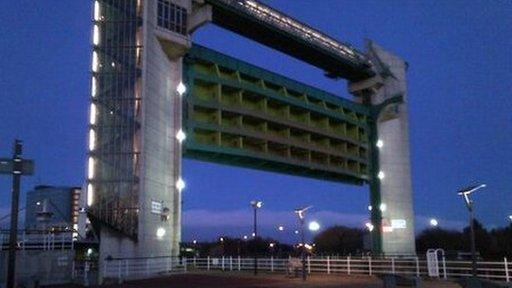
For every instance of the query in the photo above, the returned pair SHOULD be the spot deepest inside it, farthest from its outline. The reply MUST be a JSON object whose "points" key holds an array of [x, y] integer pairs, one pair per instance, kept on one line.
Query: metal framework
{"points": [[113, 164], [243, 115]]}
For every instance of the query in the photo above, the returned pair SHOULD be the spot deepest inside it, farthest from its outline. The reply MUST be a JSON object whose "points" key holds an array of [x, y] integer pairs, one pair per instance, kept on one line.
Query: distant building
{"points": [[52, 208]]}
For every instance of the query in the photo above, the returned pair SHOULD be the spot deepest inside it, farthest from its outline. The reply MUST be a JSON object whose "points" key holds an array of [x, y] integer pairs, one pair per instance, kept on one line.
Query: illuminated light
{"points": [[92, 117], [245, 237], [296, 231], [95, 35], [256, 204], [92, 140], [90, 173], [221, 239], [90, 194], [181, 136], [307, 246], [381, 175], [379, 143], [314, 226], [38, 203], [195, 241], [280, 228], [369, 226], [160, 232], [180, 184], [383, 207], [75, 227], [370, 208], [181, 89], [94, 61], [271, 245], [434, 222], [387, 229], [510, 217], [96, 10], [93, 87], [253, 234]]}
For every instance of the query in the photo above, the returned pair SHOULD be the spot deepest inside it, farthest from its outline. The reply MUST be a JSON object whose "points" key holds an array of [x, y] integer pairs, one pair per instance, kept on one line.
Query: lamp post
{"points": [[255, 204], [301, 213], [469, 204]]}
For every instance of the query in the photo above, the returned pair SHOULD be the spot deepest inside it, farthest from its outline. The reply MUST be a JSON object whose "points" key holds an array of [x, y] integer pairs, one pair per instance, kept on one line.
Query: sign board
{"points": [[6, 166], [156, 207], [398, 223]]}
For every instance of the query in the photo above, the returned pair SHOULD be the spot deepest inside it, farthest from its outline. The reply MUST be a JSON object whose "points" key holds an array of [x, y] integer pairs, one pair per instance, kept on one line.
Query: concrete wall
{"points": [[48, 267]]}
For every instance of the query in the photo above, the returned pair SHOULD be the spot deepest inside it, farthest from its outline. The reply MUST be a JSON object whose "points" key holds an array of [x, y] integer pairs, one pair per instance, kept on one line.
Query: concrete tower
{"points": [[134, 167], [392, 209]]}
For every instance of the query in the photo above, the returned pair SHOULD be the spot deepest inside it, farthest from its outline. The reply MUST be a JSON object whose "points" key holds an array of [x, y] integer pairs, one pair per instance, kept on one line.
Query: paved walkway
{"points": [[247, 280]]}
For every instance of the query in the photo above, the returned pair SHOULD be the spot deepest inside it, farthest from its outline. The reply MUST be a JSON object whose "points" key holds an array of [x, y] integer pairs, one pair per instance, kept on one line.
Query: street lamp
{"points": [[510, 218], [469, 204], [301, 213], [255, 204], [433, 222]]}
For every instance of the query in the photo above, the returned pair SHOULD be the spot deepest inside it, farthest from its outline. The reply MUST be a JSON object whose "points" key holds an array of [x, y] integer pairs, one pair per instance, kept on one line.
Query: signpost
{"points": [[17, 167]]}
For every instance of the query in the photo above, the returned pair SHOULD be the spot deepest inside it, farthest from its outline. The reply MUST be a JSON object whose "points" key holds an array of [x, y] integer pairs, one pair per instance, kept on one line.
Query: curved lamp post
{"points": [[469, 204]]}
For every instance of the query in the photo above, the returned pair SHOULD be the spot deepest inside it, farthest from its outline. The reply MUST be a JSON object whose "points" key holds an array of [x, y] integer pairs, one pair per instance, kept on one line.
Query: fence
{"points": [[40, 241], [139, 268], [360, 265]]}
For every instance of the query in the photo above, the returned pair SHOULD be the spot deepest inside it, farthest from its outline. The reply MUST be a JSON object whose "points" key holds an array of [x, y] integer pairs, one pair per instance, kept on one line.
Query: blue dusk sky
{"points": [[460, 89]]}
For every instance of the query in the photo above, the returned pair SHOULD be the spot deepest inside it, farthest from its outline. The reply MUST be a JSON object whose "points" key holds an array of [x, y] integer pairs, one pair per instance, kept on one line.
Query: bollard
{"points": [[271, 263], [370, 265], [222, 263], [309, 265], [348, 265], [328, 265], [417, 267], [507, 276], [230, 263], [208, 263], [444, 269]]}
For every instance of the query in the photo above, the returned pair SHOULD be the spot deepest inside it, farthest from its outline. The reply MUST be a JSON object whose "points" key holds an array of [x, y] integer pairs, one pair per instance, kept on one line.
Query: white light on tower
{"points": [[381, 175], [90, 194], [93, 87], [90, 173], [95, 35], [181, 136], [160, 232], [379, 143], [96, 11], [369, 226], [180, 184], [94, 61], [383, 207], [92, 118], [434, 222], [92, 140], [181, 89], [510, 217], [314, 226], [370, 208], [280, 228]]}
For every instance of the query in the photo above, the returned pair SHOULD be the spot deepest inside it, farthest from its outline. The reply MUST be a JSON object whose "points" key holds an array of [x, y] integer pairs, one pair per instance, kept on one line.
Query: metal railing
{"points": [[141, 268], [40, 241], [413, 266]]}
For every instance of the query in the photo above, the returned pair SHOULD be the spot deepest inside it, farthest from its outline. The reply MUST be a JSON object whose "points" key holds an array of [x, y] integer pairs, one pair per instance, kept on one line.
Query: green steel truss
{"points": [[239, 114]]}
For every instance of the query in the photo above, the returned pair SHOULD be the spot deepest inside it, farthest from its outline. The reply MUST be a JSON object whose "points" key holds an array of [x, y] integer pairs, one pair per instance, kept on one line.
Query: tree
{"points": [[339, 240]]}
